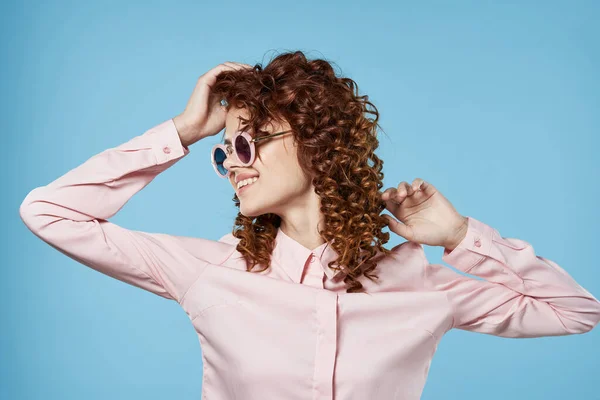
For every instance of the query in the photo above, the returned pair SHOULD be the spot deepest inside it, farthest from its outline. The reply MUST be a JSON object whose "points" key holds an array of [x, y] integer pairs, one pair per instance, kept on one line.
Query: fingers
{"points": [[390, 203], [210, 77], [418, 184], [404, 190], [238, 63], [227, 65], [398, 227]]}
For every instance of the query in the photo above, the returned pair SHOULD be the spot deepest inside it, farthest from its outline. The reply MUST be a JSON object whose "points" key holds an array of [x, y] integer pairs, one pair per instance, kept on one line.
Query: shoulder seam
{"points": [[204, 269]]}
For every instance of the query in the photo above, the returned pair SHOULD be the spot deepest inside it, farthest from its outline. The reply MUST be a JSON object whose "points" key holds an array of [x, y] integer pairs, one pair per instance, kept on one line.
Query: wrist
{"points": [[184, 130], [459, 235]]}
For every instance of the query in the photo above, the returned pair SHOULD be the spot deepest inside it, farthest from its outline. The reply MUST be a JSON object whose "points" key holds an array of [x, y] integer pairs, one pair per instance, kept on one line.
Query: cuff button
{"points": [[166, 150]]}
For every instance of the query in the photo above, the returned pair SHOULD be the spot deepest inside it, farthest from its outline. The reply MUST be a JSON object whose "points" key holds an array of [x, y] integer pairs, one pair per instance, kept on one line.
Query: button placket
{"points": [[326, 312]]}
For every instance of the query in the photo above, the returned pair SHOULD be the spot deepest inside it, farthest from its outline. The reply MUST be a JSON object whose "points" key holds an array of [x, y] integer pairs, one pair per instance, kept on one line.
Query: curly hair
{"points": [[336, 142]]}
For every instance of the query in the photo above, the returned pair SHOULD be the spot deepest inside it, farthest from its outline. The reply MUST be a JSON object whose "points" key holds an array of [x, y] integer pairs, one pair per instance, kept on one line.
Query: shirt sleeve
{"points": [[522, 294], [71, 214]]}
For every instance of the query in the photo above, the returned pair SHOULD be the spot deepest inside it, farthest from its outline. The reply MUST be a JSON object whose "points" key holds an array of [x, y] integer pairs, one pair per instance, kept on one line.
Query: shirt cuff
{"points": [[167, 144], [474, 247]]}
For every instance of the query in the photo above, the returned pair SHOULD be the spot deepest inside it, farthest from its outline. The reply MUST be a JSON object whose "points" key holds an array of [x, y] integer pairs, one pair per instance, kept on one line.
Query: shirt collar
{"points": [[292, 256]]}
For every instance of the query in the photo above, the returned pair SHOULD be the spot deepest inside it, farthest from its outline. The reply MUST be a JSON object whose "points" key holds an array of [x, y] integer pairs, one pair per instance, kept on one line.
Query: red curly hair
{"points": [[336, 143]]}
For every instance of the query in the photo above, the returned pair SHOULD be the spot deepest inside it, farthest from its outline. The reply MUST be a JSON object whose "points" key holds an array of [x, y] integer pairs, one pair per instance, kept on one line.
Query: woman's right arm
{"points": [[71, 214]]}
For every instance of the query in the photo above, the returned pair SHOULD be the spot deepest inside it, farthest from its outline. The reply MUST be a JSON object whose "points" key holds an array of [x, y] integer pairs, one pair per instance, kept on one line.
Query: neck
{"points": [[302, 221]]}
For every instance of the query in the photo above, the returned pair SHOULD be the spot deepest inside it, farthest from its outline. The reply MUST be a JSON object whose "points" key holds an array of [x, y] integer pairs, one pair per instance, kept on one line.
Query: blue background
{"points": [[495, 104]]}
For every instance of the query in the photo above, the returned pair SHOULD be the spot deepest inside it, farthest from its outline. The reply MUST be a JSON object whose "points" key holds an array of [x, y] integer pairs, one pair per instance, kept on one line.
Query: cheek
{"points": [[286, 166], [280, 164], [276, 160]]}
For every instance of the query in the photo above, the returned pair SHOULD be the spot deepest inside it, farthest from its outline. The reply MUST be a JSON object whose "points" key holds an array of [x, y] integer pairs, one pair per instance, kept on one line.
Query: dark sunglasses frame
{"points": [[234, 140]]}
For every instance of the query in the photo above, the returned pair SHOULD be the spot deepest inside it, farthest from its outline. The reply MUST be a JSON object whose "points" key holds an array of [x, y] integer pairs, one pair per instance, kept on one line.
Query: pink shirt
{"points": [[292, 332]]}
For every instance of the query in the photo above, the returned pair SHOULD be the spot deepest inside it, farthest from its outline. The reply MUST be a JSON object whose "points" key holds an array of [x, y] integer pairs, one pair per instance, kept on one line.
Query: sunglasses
{"points": [[243, 147]]}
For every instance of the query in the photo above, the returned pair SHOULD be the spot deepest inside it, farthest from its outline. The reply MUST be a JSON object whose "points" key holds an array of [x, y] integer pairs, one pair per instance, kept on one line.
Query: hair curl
{"points": [[336, 143]]}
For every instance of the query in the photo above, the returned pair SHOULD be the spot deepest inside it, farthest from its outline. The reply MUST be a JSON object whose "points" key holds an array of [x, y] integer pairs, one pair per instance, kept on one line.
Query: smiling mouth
{"points": [[245, 186]]}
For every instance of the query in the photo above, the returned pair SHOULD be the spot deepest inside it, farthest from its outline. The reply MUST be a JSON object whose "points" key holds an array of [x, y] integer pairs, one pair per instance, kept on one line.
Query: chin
{"points": [[253, 208], [251, 212]]}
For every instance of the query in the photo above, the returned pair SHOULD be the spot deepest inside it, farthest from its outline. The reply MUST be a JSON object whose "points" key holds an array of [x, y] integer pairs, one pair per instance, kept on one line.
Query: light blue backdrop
{"points": [[496, 105]]}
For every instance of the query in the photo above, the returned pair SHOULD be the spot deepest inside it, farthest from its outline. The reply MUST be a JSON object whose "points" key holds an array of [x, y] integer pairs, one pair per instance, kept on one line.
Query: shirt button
{"points": [[312, 258], [477, 242], [166, 150]]}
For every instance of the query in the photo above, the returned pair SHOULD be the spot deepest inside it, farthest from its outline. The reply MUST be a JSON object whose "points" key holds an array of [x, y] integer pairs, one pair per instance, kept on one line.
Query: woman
{"points": [[287, 305]]}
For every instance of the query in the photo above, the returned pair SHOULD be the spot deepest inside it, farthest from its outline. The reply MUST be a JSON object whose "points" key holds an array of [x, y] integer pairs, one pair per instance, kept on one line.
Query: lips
{"points": [[245, 186], [244, 175]]}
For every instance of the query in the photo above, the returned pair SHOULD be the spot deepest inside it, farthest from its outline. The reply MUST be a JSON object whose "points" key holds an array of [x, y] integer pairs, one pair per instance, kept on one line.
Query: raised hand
{"points": [[204, 115], [424, 215]]}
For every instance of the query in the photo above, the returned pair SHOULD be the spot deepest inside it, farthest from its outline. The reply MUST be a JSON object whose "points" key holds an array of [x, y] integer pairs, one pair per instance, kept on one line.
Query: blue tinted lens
{"points": [[220, 157]]}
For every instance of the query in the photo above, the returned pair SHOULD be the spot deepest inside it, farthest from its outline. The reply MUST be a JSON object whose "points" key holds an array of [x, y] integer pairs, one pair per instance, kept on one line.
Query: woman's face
{"points": [[281, 185]]}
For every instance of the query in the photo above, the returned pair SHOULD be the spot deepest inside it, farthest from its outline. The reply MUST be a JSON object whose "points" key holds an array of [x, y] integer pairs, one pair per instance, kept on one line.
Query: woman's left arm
{"points": [[522, 294]]}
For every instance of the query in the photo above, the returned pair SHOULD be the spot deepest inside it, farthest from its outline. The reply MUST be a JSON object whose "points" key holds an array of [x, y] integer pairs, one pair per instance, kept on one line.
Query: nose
{"points": [[231, 161]]}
